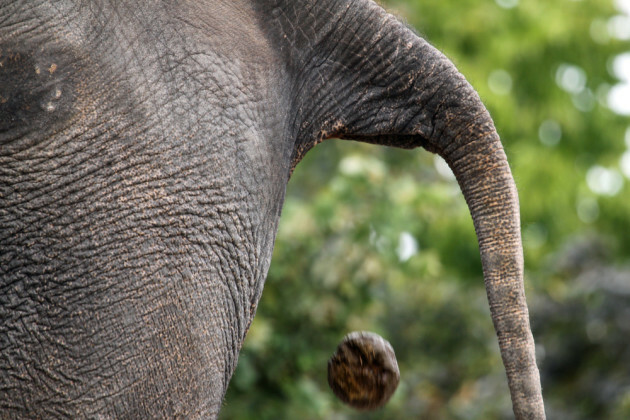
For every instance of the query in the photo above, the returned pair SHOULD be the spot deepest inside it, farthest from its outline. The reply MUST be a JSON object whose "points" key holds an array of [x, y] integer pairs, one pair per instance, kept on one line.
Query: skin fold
{"points": [[145, 149]]}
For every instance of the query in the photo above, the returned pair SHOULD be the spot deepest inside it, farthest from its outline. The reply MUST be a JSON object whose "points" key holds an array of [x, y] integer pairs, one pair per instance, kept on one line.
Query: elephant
{"points": [[145, 149]]}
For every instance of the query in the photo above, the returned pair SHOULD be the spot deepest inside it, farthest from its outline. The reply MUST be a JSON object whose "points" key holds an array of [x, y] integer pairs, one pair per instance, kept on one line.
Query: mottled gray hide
{"points": [[145, 149], [143, 167]]}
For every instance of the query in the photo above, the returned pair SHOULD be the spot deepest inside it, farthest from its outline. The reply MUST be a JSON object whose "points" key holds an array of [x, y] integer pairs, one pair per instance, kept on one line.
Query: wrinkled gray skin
{"points": [[145, 148]]}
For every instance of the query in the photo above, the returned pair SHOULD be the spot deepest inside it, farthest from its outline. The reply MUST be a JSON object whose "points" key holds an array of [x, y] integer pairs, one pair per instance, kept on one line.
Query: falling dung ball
{"points": [[363, 371]]}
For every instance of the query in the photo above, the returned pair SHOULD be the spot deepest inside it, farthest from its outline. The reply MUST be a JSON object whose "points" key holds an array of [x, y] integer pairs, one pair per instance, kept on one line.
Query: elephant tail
{"points": [[362, 75], [463, 133], [482, 171]]}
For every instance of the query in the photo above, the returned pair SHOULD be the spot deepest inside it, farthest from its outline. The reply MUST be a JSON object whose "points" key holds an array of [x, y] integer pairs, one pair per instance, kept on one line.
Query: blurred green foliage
{"points": [[380, 239]]}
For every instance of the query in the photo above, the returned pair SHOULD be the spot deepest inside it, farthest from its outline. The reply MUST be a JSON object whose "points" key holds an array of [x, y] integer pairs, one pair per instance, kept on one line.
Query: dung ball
{"points": [[363, 371]]}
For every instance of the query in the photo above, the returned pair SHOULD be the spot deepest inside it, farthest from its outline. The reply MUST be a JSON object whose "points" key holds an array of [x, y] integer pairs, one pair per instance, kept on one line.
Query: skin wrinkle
{"points": [[375, 70], [70, 222], [467, 127], [342, 89], [38, 19], [464, 162]]}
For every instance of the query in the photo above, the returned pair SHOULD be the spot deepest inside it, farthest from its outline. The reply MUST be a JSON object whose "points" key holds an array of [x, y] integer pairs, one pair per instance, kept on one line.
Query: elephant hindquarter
{"points": [[139, 197]]}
